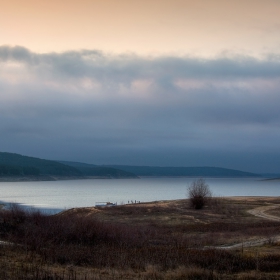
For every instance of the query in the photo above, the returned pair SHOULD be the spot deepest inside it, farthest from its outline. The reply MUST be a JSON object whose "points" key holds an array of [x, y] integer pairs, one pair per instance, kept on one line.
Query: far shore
{"points": [[65, 178], [55, 178]]}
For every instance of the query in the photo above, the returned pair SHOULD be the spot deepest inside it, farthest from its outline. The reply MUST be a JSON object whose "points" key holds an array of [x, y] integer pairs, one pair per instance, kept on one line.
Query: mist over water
{"points": [[55, 196]]}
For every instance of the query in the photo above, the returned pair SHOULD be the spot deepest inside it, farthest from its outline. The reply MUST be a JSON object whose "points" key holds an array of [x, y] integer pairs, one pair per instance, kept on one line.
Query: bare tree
{"points": [[199, 193]]}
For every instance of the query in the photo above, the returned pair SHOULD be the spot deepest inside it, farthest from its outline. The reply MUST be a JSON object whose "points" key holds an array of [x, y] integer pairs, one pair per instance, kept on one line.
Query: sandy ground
{"points": [[258, 212]]}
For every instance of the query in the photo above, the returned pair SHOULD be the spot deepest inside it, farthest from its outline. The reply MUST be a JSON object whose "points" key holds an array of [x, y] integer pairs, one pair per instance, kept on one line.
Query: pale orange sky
{"points": [[201, 27]]}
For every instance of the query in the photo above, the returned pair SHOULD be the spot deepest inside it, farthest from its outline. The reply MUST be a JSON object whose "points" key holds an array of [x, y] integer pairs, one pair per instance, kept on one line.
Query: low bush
{"points": [[199, 193]]}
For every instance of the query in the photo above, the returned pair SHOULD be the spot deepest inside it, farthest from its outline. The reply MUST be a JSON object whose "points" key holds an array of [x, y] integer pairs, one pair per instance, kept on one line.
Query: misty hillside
{"points": [[14, 164], [184, 171], [95, 170]]}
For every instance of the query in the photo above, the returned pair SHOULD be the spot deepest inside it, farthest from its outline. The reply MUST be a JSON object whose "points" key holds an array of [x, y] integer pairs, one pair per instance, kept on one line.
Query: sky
{"points": [[158, 82]]}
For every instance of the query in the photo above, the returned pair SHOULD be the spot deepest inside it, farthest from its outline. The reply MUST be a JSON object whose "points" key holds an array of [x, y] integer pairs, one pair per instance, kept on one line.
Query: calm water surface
{"points": [[60, 195]]}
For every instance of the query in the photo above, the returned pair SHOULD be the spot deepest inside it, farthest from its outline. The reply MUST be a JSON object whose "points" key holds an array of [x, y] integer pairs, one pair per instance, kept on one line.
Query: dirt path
{"points": [[252, 243], [258, 212]]}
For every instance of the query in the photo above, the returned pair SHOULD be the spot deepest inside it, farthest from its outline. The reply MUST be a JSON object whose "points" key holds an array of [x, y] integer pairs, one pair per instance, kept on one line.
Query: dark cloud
{"points": [[100, 108]]}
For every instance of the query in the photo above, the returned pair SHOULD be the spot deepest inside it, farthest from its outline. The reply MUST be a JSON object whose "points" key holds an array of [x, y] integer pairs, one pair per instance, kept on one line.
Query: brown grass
{"points": [[160, 240]]}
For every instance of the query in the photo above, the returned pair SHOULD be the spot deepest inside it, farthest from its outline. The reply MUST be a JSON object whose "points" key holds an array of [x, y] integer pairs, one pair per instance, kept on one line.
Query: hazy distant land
{"points": [[156, 171], [15, 167]]}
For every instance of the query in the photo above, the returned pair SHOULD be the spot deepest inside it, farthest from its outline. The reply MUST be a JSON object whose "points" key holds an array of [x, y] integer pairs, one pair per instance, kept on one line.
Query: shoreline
{"points": [[266, 199], [42, 178], [249, 199], [50, 178]]}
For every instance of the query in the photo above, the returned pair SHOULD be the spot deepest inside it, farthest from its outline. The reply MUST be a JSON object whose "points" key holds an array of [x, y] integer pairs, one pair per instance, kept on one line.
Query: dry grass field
{"points": [[157, 240]]}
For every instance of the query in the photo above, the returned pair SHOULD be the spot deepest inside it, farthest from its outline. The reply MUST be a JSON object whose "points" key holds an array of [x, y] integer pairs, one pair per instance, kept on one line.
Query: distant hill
{"points": [[15, 165], [76, 164], [20, 164], [271, 175], [184, 171], [95, 170]]}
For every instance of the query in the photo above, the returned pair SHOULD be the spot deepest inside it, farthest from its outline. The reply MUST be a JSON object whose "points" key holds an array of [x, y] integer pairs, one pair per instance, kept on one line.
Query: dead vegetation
{"points": [[159, 240]]}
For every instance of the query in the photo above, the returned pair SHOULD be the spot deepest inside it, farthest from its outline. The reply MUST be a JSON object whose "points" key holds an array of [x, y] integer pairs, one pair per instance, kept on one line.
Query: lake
{"points": [[54, 196]]}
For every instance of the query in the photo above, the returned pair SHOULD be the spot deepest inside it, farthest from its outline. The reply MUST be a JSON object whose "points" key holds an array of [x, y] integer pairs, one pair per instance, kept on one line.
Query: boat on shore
{"points": [[105, 204]]}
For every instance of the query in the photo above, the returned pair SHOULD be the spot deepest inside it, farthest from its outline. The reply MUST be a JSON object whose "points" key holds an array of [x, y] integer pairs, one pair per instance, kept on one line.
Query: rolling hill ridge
{"points": [[155, 171], [15, 165]]}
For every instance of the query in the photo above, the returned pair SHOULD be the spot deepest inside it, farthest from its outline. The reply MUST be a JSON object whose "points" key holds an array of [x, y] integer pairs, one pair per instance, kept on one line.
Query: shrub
{"points": [[199, 193]]}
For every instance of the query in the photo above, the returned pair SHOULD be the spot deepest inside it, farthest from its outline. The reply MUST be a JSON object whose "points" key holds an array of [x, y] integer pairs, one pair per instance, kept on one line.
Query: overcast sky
{"points": [[158, 82]]}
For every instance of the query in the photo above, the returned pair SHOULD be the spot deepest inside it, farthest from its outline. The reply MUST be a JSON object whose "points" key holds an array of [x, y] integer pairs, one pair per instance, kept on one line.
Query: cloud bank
{"points": [[125, 109]]}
